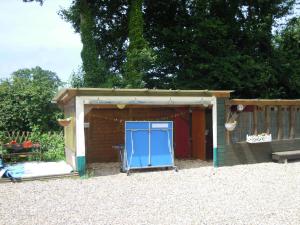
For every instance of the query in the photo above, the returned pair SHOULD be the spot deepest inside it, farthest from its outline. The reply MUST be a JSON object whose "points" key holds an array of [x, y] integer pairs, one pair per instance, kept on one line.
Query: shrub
{"points": [[52, 144]]}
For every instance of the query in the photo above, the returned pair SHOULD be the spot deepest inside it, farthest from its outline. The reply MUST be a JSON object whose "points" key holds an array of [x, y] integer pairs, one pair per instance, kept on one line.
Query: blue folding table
{"points": [[148, 144]]}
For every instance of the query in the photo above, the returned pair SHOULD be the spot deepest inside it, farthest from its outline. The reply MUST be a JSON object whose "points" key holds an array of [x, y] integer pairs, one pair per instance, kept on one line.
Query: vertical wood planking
{"points": [[255, 120], [292, 121], [267, 120], [228, 134], [198, 134], [279, 122]]}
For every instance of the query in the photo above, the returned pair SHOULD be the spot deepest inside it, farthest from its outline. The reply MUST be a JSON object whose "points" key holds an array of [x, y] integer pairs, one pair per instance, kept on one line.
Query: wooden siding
{"points": [[198, 134], [282, 122], [70, 137], [221, 148]]}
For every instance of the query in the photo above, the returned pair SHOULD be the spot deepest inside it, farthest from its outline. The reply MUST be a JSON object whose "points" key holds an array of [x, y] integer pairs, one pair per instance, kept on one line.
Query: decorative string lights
{"points": [[116, 119]]}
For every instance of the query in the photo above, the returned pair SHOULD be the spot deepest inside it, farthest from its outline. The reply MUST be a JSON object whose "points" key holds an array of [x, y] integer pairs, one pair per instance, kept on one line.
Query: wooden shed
{"points": [[279, 118], [96, 121]]}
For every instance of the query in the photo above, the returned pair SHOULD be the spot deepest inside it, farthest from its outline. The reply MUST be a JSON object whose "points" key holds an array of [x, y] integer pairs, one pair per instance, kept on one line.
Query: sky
{"points": [[33, 35]]}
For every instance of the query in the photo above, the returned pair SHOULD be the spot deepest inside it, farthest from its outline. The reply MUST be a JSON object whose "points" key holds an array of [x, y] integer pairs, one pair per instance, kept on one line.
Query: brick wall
{"points": [[107, 129]]}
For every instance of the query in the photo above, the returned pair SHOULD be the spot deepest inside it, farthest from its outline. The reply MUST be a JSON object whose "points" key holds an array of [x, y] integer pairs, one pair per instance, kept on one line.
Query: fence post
{"points": [[292, 122]]}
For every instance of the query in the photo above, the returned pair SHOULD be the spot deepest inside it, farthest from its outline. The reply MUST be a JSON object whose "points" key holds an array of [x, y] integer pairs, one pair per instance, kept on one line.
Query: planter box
{"points": [[259, 138]]}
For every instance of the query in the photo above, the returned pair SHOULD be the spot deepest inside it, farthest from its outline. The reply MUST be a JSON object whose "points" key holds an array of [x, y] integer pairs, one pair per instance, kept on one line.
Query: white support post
{"points": [[80, 138], [215, 132]]}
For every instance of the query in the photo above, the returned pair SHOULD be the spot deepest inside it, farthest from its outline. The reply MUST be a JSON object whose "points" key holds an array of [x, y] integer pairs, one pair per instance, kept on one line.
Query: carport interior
{"points": [[105, 129]]}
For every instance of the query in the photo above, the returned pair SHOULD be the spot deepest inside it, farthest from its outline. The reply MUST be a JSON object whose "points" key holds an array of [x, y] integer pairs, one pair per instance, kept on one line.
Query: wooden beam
{"points": [[87, 109], [255, 120], [279, 123], [113, 106], [64, 95], [292, 122], [267, 120], [264, 102], [228, 133]]}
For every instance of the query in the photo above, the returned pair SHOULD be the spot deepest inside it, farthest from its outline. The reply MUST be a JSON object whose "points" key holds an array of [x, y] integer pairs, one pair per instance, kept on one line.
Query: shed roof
{"points": [[65, 95], [264, 102]]}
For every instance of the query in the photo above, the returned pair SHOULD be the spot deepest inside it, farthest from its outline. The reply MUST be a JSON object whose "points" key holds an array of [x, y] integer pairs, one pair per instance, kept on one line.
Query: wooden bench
{"points": [[285, 156], [14, 156]]}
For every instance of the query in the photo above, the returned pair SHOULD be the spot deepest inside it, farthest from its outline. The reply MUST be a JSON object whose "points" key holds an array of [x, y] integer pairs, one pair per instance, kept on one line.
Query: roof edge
{"points": [[66, 94]]}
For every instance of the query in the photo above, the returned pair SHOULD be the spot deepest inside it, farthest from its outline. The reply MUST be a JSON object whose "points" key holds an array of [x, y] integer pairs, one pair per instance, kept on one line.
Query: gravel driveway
{"points": [[265, 193]]}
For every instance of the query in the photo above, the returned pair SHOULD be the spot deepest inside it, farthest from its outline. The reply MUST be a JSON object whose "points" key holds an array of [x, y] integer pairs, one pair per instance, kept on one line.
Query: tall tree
{"points": [[93, 66], [287, 60], [139, 55], [199, 44]]}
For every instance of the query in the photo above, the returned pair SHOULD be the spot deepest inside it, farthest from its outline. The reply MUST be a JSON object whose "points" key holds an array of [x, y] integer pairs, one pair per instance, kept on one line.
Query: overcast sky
{"points": [[33, 35]]}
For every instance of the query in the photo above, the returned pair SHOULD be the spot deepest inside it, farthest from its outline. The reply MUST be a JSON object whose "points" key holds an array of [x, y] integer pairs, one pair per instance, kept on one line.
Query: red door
{"points": [[182, 134]]}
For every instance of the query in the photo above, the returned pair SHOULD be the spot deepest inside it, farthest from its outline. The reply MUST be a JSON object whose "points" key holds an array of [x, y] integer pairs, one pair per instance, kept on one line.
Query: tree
{"points": [[139, 55], [200, 44], [287, 63], [215, 44], [81, 14], [25, 100], [76, 79], [93, 66]]}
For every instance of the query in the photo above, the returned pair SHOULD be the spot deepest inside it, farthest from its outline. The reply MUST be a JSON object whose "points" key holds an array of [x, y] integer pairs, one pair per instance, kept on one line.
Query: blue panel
{"points": [[137, 148], [137, 137]]}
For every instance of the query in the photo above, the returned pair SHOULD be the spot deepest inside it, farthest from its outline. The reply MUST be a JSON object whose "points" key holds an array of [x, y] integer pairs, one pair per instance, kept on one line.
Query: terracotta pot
{"points": [[27, 144], [64, 122]]}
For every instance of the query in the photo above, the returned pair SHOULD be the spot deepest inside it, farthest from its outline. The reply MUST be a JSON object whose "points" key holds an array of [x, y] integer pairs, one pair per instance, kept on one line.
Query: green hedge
{"points": [[52, 143]]}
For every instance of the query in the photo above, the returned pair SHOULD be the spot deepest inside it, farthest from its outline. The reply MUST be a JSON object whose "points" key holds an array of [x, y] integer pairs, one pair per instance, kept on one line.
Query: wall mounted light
{"points": [[121, 106]]}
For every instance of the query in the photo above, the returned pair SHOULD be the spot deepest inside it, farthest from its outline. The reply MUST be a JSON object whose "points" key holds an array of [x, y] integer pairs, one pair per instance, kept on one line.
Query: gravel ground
{"points": [[266, 193]]}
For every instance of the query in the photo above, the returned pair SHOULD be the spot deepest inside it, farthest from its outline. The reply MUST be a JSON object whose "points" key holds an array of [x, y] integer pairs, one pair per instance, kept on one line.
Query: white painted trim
{"points": [[215, 123], [80, 139], [147, 100]]}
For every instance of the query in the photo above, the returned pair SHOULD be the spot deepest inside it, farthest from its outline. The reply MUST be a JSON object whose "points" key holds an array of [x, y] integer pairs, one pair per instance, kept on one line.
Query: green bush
{"points": [[52, 144], [25, 101]]}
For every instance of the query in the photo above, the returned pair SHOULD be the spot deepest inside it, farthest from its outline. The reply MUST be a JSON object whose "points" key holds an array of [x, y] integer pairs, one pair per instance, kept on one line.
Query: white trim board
{"points": [[145, 100]]}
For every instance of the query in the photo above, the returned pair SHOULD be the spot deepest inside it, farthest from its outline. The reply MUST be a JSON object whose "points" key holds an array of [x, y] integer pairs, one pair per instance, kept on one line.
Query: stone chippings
{"points": [[266, 193]]}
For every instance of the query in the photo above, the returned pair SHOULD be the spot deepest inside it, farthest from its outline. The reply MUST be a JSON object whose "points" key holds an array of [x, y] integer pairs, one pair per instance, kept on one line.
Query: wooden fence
{"points": [[281, 118], [18, 136]]}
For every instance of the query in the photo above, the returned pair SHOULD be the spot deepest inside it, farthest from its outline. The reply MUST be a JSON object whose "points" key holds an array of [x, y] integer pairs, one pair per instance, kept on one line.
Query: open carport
{"points": [[97, 117]]}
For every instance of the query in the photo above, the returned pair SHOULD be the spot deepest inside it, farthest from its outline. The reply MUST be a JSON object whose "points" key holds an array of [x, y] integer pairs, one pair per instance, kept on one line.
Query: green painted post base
{"points": [[215, 158], [80, 165]]}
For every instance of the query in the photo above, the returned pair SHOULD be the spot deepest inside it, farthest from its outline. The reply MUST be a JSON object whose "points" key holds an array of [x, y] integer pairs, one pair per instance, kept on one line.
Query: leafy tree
{"points": [[139, 55], [287, 58], [93, 66], [199, 44], [81, 14], [214, 45], [76, 79], [25, 100]]}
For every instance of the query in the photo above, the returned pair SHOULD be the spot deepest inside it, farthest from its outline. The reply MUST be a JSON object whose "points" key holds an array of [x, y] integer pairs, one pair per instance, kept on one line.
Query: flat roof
{"points": [[64, 95], [264, 102]]}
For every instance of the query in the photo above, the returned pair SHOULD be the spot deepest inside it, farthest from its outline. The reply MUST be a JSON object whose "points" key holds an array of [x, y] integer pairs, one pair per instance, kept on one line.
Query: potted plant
{"points": [[64, 122]]}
